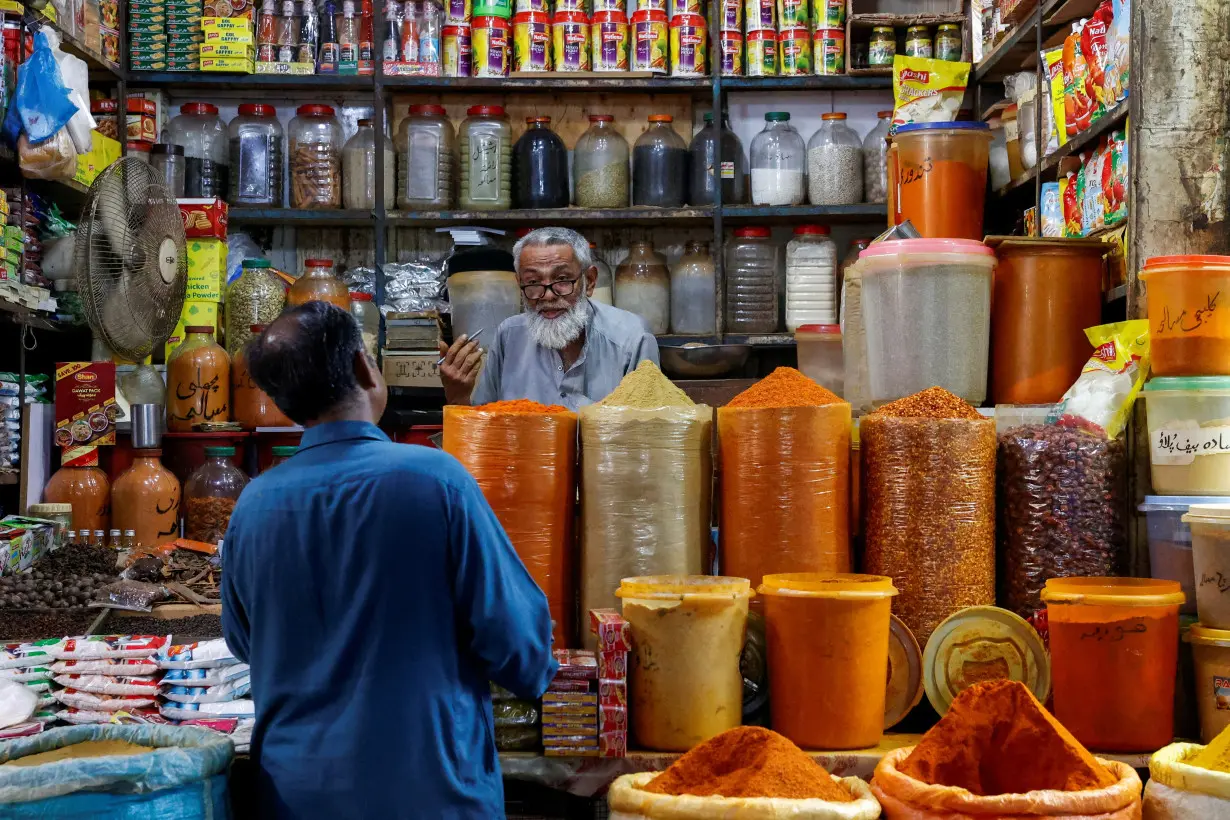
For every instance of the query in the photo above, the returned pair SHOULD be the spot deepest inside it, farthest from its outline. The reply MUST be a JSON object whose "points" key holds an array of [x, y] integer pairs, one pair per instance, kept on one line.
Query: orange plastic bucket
{"points": [[827, 637], [1114, 652], [1189, 330]]}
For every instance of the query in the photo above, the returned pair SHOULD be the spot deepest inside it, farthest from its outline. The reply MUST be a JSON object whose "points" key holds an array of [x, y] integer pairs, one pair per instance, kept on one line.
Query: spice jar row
{"points": [[834, 167]]}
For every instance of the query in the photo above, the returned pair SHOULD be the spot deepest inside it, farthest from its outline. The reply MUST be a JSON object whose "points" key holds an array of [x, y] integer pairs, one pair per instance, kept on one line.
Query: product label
{"points": [[485, 168], [728, 170], [1179, 442], [1221, 693]]}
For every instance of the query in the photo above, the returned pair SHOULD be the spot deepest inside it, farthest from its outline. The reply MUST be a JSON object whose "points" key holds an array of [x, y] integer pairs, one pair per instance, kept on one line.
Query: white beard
{"points": [[563, 330]]}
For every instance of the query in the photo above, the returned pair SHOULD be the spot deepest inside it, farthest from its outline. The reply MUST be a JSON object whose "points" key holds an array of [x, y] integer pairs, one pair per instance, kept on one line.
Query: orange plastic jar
{"points": [[940, 178], [1114, 653], [827, 637], [1189, 330]]}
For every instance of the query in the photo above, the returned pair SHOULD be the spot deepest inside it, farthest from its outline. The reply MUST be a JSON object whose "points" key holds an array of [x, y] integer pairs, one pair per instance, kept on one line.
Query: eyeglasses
{"points": [[564, 287]]}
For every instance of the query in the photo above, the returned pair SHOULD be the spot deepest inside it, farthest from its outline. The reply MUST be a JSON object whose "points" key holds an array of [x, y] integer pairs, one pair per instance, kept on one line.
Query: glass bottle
{"points": [[113, 540], [643, 287], [256, 297], [198, 381], [540, 167], [875, 160], [834, 163], [703, 156], [82, 483], [100, 538], [251, 406], [811, 278], [210, 495], [600, 165], [359, 169], [348, 33], [318, 284], [485, 148], [751, 282], [168, 162], [315, 158], [948, 44], [659, 165], [778, 162], [201, 132], [146, 498], [604, 286], [694, 292], [365, 312], [256, 144], [130, 539], [426, 160], [281, 453], [918, 42]]}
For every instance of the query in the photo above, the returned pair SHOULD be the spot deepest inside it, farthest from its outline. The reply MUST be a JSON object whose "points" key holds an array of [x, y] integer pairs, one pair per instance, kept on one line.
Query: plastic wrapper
{"points": [[1061, 510], [646, 490], [104, 703], [232, 690], [628, 800], [515, 713], [929, 514], [1179, 791], [1101, 398], [414, 287], [107, 685], [132, 596], [242, 708], [784, 481], [200, 655], [525, 464], [926, 90], [205, 677], [107, 646], [53, 158], [125, 667]]}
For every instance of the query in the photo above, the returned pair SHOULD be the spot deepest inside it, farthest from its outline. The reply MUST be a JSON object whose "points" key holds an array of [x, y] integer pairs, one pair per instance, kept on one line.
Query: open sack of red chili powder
{"points": [[999, 754], [747, 772]]}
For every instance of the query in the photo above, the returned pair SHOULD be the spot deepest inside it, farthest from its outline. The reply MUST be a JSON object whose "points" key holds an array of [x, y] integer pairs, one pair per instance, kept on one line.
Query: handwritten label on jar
{"points": [[1114, 633], [484, 168], [1215, 579], [1179, 442], [1194, 320]]}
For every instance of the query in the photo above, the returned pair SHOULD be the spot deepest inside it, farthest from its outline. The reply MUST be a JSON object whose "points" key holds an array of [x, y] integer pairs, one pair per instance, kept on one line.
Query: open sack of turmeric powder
{"points": [[1188, 780], [747, 772], [998, 753]]}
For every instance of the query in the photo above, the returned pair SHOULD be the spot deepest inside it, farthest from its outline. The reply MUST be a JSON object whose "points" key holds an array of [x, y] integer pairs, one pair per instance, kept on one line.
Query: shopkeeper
{"points": [[564, 348]]}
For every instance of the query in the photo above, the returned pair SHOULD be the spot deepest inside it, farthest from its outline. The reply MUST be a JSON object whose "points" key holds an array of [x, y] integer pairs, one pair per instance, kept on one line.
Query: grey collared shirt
{"points": [[517, 367]]}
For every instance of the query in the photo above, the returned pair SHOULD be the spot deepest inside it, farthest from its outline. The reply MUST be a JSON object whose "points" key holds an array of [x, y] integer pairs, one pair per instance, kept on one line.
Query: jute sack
{"points": [[628, 802]]}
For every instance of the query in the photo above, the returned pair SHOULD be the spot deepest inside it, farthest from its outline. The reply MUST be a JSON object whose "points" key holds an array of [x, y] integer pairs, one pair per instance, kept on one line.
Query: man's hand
{"points": [[459, 370]]}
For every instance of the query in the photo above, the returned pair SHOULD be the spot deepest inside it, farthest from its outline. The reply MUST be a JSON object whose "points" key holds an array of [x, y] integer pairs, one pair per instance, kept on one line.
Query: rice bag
{"points": [[201, 655], [108, 646], [18, 655], [209, 694], [205, 677], [98, 716], [27, 674], [118, 667], [102, 703], [188, 711], [107, 685]]}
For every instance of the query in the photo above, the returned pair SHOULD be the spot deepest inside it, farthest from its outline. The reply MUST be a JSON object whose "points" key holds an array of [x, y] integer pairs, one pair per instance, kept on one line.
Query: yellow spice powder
{"points": [[647, 388]]}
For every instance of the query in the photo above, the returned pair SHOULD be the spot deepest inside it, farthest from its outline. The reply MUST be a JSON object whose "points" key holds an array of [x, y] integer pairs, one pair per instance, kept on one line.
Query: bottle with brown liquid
{"points": [[82, 483], [198, 381], [146, 500], [318, 284], [251, 406]]}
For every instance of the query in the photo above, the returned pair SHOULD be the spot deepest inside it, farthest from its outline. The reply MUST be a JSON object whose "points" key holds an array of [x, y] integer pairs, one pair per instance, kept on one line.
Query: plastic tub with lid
{"points": [[482, 291], [938, 176], [827, 637], [1189, 434], [1211, 655], [820, 355], [811, 277], [1190, 336], [926, 306], [1114, 654], [751, 281], [1210, 525], [1170, 541], [206, 148]]}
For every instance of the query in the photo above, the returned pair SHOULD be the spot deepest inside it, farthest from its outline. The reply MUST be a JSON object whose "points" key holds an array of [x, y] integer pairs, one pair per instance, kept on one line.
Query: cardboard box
{"points": [[204, 218], [227, 51], [568, 685], [613, 718], [569, 699], [613, 665], [576, 663], [234, 25], [554, 751], [194, 314], [104, 152], [613, 693], [412, 368], [612, 630], [568, 732], [238, 65], [142, 120], [206, 269], [86, 411], [613, 744], [37, 536]]}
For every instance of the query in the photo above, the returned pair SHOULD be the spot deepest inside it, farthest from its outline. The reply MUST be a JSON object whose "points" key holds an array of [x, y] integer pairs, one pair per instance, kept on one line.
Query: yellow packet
{"points": [[1100, 400], [1054, 75], [927, 90]]}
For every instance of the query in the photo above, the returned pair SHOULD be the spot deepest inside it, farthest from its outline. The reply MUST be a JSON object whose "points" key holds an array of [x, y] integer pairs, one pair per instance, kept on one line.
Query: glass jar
{"points": [[948, 44], [600, 165], [875, 160], [702, 159], [811, 278], [365, 312], [834, 163], [643, 287], [751, 282], [83, 484], [146, 498], [318, 284], [210, 495], [281, 453], [918, 42], [168, 161], [659, 166], [778, 162], [540, 167], [604, 287], [426, 160], [139, 150], [359, 169], [251, 406], [60, 514], [198, 381], [257, 143], [882, 48], [256, 297], [206, 150], [694, 292], [315, 158], [485, 148]]}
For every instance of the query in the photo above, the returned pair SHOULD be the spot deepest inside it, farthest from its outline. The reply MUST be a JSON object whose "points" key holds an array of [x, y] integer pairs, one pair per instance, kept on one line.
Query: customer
{"points": [[374, 593]]}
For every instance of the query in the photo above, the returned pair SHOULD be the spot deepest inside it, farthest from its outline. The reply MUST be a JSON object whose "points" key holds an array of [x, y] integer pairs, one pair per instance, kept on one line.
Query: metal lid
{"points": [[49, 509], [1105, 591], [286, 450], [257, 263], [905, 683], [777, 116], [219, 451], [835, 115]]}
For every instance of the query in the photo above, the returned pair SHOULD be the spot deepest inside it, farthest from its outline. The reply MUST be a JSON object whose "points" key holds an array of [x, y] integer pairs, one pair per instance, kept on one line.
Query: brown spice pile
{"points": [[206, 518], [932, 403], [784, 387]]}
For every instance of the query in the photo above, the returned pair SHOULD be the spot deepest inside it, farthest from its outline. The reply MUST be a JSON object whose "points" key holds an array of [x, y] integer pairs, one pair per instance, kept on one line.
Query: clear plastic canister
{"points": [[315, 158], [168, 161], [751, 282], [426, 159], [820, 355], [1211, 659], [257, 144], [203, 135], [367, 314], [939, 178], [1210, 525], [485, 149], [811, 278], [359, 169], [482, 299]]}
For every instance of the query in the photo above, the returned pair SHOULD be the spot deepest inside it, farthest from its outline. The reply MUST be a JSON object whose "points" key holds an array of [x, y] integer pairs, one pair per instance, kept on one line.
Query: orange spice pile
{"points": [[932, 403], [784, 387], [521, 406]]}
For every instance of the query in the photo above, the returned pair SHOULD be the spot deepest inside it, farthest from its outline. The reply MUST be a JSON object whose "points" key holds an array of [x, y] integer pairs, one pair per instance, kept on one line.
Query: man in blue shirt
{"points": [[374, 593]]}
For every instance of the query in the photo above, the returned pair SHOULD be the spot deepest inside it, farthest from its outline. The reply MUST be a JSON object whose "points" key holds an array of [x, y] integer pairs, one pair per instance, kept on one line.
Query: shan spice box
{"points": [[86, 411]]}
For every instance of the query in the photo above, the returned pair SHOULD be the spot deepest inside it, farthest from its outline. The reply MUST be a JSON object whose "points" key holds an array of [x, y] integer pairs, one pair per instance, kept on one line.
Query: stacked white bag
{"points": [[106, 678], [30, 665], [204, 682]]}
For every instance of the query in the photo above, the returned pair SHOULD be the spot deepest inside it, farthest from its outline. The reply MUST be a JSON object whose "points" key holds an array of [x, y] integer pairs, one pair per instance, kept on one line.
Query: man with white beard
{"points": [[564, 348]]}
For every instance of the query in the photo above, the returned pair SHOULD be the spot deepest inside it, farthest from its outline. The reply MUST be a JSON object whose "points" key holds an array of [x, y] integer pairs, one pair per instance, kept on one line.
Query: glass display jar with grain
{"points": [[257, 144], [315, 158], [540, 167], [694, 292], [426, 160], [702, 173], [778, 162], [318, 284], [485, 146], [210, 495], [251, 406], [834, 163], [145, 499], [198, 381], [255, 298], [201, 132], [600, 165], [359, 169], [660, 165]]}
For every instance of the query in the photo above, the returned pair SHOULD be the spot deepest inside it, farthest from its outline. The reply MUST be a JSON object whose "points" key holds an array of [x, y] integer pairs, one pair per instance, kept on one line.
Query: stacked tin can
{"points": [[610, 36], [457, 56], [689, 39], [650, 24], [829, 36]]}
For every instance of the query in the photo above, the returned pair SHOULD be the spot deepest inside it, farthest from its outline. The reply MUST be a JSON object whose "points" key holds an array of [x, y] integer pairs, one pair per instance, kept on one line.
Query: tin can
{"points": [[456, 40], [650, 41], [650, 5], [829, 51], [732, 54], [531, 32], [689, 46], [761, 53], [570, 38], [792, 14], [489, 37], [732, 15], [542, 6], [760, 15], [570, 5], [458, 11], [609, 39], [677, 7], [794, 52], [620, 6], [829, 13], [487, 8]]}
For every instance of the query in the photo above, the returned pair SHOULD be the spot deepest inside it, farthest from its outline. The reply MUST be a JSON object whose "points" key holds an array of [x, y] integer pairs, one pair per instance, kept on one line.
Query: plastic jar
{"points": [[650, 41], [1210, 524], [1178, 286], [168, 162], [689, 43], [146, 500], [693, 297], [491, 47], [794, 50], [882, 47], [531, 41], [1046, 292], [875, 160], [426, 160], [1211, 654], [609, 39], [820, 355], [201, 132], [827, 637], [1170, 541], [256, 297], [659, 165], [257, 144], [485, 150], [83, 484], [854, 342], [365, 312], [643, 287], [458, 54], [281, 453], [540, 167], [829, 51], [359, 169], [61, 514], [834, 163], [1114, 652], [315, 158], [198, 382], [940, 178], [251, 406], [600, 165], [687, 636], [751, 282], [927, 310], [210, 495], [139, 151], [1188, 450], [570, 41], [703, 165], [778, 162], [731, 45], [811, 278], [761, 59], [318, 284], [482, 299]]}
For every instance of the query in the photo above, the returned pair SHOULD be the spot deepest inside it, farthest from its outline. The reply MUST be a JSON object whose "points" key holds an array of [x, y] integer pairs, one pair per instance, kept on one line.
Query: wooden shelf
{"points": [[753, 339], [834, 82], [650, 217], [553, 83], [192, 80], [1088, 138], [787, 214], [295, 217], [1011, 53]]}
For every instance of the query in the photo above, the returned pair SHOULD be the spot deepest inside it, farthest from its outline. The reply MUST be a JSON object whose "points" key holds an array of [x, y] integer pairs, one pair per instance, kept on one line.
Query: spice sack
{"points": [[629, 801], [1178, 790]]}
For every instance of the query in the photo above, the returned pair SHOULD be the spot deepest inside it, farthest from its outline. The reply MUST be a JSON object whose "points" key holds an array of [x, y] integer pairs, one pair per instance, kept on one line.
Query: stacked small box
{"points": [[184, 35], [570, 706], [614, 644], [147, 34], [229, 44]]}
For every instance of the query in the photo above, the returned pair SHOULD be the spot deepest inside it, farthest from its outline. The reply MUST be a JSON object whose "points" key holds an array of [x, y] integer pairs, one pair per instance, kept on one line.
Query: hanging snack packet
{"points": [[1118, 47], [1093, 47], [1052, 115], [1100, 400], [1070, 193], [1078, 105], [1092, 215], [1114, 179], [927, 90]]}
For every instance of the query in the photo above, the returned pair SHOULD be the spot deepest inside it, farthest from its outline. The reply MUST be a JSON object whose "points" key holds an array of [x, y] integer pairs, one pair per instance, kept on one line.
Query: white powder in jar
{"points": [[777, 186]]}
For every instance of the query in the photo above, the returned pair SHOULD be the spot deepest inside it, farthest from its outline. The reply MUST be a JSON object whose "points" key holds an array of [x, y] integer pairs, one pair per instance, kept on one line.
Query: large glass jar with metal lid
{"points": [[281, 453], [83, 484], [485, 148], [643, 287], [198, 381], [363, 308], [206, 149], [359, 169], [600, 165], [168, 162], [875, 160], [694, 292], [778, 162], [426, 160], [251, 406], [702, 181], [660, 165], [318, 284], [146, 500], [834, 163], [540, 167], [210, 495], [315, 158], [948, 45], [257, 144], [751, 282], [256, 297]]}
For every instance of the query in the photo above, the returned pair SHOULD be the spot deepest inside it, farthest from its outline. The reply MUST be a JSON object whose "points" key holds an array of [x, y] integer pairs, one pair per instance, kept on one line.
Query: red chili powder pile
{"points": [[932, 403], [521, 406], [784, 387]]}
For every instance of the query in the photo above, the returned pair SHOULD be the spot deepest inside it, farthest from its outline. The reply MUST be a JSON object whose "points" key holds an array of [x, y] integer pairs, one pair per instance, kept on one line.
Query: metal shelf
{"points": [[786, 214], [338, 217], [1011, 52], [650, 217], [1108, 122], [214, 81], [551, 83], [754, 339], [836, 82]]}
